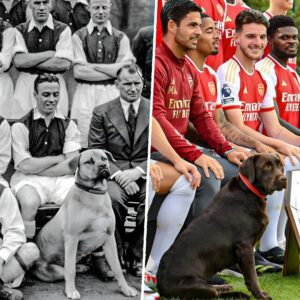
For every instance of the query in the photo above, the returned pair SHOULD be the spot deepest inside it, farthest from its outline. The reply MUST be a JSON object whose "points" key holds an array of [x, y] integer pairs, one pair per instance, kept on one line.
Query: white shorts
{"points": [[49, 189]]}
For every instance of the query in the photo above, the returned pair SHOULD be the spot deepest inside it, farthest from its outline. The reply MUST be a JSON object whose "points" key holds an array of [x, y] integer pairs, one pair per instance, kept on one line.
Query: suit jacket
{"points": [[108, 131]]}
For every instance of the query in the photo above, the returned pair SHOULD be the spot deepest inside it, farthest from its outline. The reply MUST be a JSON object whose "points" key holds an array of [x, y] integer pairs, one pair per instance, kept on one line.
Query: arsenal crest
{"points": [[212, 88], [190, 79], [261, 89]]}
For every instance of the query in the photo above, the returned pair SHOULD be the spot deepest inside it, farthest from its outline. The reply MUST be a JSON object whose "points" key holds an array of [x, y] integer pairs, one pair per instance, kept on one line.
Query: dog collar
{"points": [[90, 190], [251, 187]]}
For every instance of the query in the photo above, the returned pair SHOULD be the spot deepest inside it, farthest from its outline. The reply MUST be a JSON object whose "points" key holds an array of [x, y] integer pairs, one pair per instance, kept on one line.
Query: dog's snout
{"points": [[283, 181]]}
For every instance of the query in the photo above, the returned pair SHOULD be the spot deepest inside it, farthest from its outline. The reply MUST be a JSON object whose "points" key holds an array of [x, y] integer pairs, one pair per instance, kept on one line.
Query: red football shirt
{"points": [[209, 87], [245, 91], [228, 41], [285, 84]]}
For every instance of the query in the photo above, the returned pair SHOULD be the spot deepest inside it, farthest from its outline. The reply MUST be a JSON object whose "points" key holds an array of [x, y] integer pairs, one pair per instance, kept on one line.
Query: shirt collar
{"points": [[125, 106], [49, 23], [169, 52], [37, 115], [91, 25]]}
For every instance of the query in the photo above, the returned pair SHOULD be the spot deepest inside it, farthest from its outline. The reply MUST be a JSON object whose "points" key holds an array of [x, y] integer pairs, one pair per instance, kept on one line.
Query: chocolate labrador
{"points": [[225, 234], [84, 222]]}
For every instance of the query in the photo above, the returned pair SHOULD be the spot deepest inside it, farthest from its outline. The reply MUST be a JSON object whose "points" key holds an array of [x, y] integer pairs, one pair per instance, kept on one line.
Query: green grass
{"points": [[277, 286]]}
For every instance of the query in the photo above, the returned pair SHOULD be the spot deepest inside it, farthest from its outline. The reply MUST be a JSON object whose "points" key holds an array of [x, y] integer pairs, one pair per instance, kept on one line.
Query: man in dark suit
{"points": [[121, 127]]}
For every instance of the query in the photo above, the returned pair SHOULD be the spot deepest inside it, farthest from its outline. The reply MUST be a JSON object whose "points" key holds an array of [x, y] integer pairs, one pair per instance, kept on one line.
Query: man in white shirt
{"points": [[16, 256]]}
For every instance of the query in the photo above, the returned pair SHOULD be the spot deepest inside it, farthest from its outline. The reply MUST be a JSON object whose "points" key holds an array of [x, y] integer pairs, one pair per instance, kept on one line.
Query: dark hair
{"points": [[248, 17], [204, 16], [45, 77], [132, 69], [176, 10], [278, 22]]}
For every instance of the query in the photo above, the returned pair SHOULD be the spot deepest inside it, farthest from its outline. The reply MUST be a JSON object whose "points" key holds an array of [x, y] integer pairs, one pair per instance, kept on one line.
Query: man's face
{"points": [[47, 97], [100, 11], [252, 40], [208, 42], [188, 31], [284, 43], [40, 10], [283, 4], [129, 85]]}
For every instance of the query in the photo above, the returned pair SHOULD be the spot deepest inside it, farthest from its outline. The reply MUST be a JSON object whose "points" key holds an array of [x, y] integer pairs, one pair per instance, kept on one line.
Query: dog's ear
{"points": [[248, 168], [74, 163], [110, 156]]}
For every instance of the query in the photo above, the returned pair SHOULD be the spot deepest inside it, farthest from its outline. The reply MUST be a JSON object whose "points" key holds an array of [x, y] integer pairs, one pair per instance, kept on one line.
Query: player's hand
{"points": [[206, 162], [131, 188], [236, 157], [262, 148], [128, 176], [156, 176], [189, 171], [291, 151]]}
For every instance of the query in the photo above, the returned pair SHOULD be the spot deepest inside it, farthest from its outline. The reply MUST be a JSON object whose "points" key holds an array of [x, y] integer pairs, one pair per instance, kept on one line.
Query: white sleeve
{"points": [[13, 230], [125, 52], [230, 86], [20, 45], [6, 53], [72, 139], [5, 146], [20, 143], [64, 46], [267, 72], [79, 54]]}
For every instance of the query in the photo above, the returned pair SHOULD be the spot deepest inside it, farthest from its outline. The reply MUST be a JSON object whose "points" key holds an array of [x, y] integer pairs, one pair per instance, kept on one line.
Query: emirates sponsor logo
{"points": [[286, 97], [212, 88], [261, 89]]}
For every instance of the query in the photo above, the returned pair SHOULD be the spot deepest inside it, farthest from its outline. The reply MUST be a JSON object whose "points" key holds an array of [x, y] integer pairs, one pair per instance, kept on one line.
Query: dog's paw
{"points": [[263, 296], [73, 295], [128, 291]]}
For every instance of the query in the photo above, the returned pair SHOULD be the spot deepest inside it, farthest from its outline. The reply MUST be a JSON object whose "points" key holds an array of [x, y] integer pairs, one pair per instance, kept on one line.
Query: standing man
{"points": [[177, 101], [73, 13], [248, 104], [14, 12], [42, 45], [280, 78], [7, 38], [43, 140], [16, 256], [100, 51], [121, 127], [277, 8], [233, 8]]}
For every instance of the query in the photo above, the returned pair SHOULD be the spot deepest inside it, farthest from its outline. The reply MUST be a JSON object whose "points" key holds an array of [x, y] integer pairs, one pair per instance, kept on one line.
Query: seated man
{"points": [[15, 256], [121, 127], [42, 142]]}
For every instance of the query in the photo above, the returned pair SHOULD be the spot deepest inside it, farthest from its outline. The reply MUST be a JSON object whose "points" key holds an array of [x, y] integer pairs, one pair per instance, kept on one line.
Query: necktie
{"points": [[131, 122]]}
